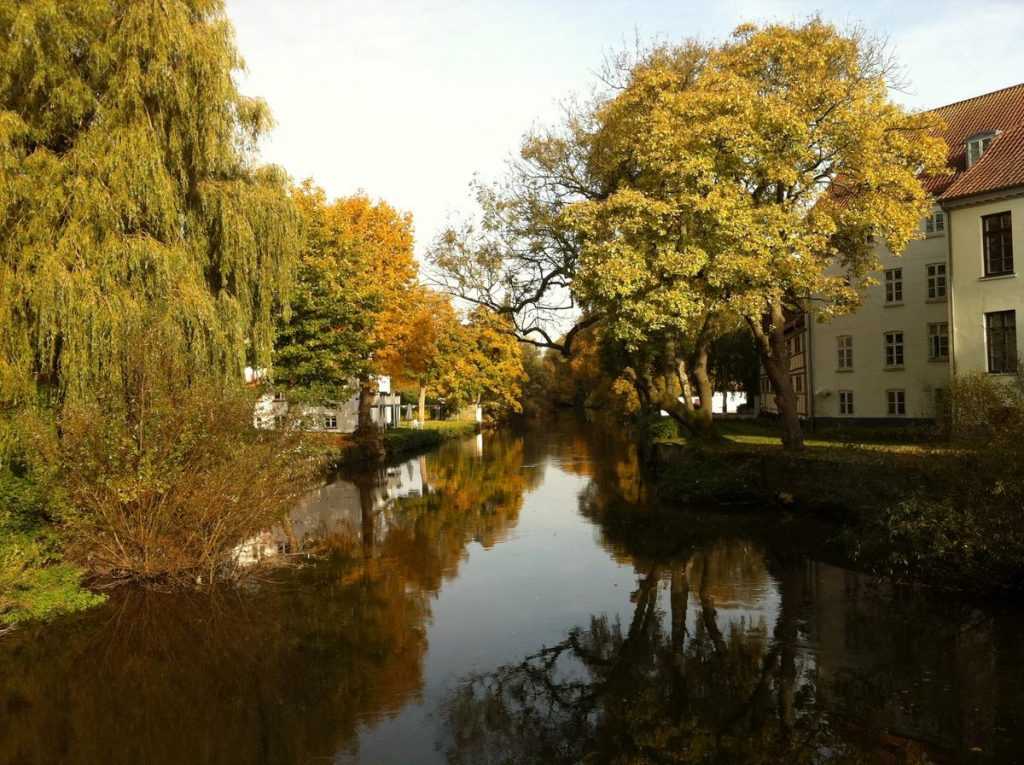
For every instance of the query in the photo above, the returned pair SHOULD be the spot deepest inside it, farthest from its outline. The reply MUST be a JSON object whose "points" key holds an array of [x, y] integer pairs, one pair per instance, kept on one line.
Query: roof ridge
{"points": [[975, 98]]}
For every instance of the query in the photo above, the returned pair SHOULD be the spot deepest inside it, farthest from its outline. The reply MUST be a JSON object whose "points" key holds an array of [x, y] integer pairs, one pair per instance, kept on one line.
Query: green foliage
{"points": [[538, 387], [724, 166], [657, 428], [327, 341], [967, 530], [35, 581], [128, 194], [399, 442], [484, 366]]}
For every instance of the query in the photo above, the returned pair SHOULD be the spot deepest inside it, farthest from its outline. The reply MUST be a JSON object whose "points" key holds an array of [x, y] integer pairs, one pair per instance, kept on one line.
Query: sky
{"points": [[407, 100]]}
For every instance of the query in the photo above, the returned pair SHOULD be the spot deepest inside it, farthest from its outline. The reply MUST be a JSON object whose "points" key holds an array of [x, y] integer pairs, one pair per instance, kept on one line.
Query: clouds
{"points": [[408, 99]]}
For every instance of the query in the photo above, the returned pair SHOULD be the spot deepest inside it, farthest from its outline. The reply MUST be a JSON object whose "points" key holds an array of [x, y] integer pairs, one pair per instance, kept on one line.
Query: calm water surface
{"points": [[522, 599]]}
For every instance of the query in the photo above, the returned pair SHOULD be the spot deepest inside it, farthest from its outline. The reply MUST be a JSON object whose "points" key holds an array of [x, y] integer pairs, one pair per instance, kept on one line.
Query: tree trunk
{"points": [[423, 403], [367, 434], [685, 385], [770, 334], [697, 422], [705, 392]]}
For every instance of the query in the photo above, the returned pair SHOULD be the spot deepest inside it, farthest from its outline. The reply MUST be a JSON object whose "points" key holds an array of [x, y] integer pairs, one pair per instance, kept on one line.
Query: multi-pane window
{"points": [[935, 224], [976, 147], [331, 422], [894, 349], [278, 396], [797, 381], [936, 281], [938, 341], [844, 344], [846, 402], [998, 237], [897, 402], [894, 285], [1001, 338]]}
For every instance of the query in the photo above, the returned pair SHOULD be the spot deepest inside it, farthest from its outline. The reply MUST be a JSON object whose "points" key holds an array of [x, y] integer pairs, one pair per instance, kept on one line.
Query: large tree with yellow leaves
{"points": [[746, 180]]}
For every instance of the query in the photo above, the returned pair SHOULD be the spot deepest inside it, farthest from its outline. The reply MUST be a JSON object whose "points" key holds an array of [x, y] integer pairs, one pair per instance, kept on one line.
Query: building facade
{"points": [[272, 409], [949, 303]]}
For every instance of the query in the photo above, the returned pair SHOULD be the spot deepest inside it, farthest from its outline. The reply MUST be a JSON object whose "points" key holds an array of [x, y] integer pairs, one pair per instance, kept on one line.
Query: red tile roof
{"points": [[1002, 164]]}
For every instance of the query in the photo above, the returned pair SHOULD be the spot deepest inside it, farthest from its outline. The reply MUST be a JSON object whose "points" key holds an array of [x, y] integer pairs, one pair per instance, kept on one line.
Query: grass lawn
{"points": [[452, 428], [833, 439], [853, 467]]}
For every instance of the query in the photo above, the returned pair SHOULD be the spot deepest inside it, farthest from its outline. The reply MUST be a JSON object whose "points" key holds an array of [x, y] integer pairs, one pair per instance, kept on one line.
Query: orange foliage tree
{"points": [[383, 238], [429, 328]]}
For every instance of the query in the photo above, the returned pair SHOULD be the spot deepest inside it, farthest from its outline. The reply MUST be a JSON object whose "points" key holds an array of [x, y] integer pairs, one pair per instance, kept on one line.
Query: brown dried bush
{"points": [[164, 474]]}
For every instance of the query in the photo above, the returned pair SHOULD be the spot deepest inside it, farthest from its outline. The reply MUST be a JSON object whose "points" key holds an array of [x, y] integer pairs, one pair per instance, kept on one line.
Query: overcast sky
{"points": [[407, 99]]}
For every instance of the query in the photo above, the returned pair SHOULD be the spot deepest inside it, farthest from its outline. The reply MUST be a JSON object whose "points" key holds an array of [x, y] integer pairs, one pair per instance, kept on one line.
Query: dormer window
{"points": [[976, 146]]}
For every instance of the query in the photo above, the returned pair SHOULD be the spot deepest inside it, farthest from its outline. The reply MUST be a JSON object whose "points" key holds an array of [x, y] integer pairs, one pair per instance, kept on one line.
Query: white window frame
{"points": [[896, 402], [845, 403], [936, 332], [898, 347], [937, 281], [893, 286], [330, 422], [844, 351], [935, 224], [977, 146]]}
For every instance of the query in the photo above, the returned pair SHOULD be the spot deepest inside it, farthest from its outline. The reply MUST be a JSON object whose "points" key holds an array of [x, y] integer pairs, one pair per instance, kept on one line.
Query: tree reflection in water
{"points": [[663, 688], [286, 672], [741, 647], [739, 644]]}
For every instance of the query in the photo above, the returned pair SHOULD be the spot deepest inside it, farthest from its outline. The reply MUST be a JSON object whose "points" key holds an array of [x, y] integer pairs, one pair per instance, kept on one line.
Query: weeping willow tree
{"points": [[129, 196], [145, 259]]}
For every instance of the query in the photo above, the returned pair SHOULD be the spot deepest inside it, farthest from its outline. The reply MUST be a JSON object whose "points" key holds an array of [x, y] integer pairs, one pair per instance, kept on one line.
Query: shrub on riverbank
{"points": [[35, 581], [157, 476], [167, 490], [971, 531]]}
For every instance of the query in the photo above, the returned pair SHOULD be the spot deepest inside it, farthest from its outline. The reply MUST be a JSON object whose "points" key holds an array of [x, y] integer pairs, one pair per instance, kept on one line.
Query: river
{"points": [[521, 598]]}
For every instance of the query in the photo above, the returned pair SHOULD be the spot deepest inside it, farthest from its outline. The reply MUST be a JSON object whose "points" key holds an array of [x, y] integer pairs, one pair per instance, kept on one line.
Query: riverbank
{"points": [[837, 475], [903, 505], [344, 451]]}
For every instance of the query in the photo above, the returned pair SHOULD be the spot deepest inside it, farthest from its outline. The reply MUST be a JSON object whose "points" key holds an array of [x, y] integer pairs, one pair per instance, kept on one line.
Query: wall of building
{"points": [[973, 294], [921, 379], [339, 417]]}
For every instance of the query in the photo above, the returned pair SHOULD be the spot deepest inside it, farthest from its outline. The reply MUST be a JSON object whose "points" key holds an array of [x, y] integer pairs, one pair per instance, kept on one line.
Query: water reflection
{"points": [[522, 599]]}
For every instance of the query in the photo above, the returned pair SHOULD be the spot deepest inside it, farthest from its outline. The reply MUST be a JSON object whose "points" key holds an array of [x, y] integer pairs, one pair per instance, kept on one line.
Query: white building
{"points": [[334, 417], [948, 304]]}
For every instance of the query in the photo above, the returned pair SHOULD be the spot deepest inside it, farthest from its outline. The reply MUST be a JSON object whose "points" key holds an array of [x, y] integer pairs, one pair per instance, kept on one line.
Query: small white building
{"points": [[272, 409]]}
